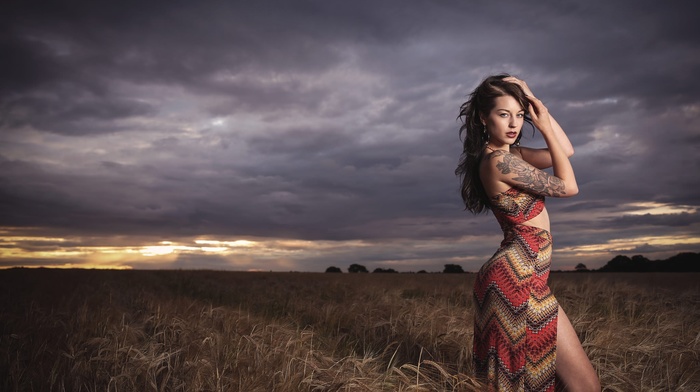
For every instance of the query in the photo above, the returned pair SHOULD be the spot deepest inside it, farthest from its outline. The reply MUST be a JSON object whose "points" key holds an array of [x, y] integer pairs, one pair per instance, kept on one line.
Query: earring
{"points": [[486, 135]]}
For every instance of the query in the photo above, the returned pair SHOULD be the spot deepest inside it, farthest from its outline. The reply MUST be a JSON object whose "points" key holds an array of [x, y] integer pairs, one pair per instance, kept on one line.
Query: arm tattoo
{"points": [[532, 178]]}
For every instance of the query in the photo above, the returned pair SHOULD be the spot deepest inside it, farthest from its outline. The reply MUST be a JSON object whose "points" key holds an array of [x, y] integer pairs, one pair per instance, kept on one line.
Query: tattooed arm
{"points": [[560, 161], [513, 171]]}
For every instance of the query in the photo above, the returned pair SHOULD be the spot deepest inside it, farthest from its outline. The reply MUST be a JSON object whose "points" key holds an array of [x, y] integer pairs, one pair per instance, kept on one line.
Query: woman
{"points": [[522, 338]]}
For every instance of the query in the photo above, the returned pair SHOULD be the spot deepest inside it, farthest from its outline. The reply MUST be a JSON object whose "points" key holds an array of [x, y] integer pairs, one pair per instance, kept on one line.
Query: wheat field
{"points": [[88, 330]]}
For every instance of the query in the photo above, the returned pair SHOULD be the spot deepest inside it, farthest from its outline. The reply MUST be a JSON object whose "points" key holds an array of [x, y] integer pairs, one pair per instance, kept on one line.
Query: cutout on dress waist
{"points": [[533, 226]]}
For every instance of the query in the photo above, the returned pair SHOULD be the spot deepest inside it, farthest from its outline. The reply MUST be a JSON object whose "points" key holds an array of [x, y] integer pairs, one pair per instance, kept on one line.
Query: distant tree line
{"points": [[682, 262], [453, 269], [384, 271], [357, 268], [353, 269]]}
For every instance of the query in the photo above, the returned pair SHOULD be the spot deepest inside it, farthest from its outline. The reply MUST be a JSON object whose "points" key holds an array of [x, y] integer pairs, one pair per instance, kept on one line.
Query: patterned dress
{"points": [[515, 323]]}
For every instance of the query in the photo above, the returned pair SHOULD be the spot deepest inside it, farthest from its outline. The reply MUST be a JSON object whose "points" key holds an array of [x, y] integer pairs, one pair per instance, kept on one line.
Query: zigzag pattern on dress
{"points": [[514, 207], [515, 323]]}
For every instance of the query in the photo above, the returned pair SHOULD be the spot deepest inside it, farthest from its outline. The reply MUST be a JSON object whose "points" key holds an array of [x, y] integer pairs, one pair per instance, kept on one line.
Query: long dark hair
{"points": [[473, 134]]}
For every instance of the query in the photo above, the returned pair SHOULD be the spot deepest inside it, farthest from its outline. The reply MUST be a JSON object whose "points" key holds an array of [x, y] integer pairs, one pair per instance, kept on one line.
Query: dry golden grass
{"points": [[232, 331]]}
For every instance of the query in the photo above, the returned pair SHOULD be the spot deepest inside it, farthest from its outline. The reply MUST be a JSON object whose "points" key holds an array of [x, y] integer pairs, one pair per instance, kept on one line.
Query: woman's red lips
{"points": [[512, 134]]}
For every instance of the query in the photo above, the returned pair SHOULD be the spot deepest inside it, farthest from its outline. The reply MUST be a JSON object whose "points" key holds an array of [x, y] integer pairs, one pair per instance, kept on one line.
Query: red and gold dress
{"points": [[515, 322]]}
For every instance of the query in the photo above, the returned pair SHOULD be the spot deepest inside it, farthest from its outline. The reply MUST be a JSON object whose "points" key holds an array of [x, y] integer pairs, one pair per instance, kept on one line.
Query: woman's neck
{"points": [[494, 149]]}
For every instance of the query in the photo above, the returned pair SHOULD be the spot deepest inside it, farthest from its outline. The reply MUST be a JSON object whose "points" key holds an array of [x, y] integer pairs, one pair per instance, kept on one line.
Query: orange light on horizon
{"points": [[654, 208], [628, 244], [274, 253], [74, 266]]}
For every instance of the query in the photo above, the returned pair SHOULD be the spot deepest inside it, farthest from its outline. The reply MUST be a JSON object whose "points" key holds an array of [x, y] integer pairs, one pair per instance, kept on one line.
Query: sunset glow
{"points": [[281, 254], [654, 208]]}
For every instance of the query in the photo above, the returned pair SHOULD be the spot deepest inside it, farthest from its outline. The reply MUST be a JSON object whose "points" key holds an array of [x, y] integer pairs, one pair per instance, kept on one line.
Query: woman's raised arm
{"points": [[541, 157]]}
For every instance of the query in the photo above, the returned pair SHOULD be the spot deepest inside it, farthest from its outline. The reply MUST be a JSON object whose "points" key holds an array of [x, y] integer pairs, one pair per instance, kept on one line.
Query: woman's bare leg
{"points": [[573, 367]]}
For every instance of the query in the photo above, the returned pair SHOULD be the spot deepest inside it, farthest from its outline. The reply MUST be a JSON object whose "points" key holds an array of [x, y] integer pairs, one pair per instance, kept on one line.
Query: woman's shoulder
{"points": [[493, 158], [491, 172]]}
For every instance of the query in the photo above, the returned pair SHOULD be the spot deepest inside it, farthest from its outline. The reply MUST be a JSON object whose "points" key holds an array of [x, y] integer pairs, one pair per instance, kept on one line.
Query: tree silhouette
{"points": [[354, 268], [617, 264], [334, 270], [580, 267], [682, 262], [453, 269], [622, 263], [384, 271]]}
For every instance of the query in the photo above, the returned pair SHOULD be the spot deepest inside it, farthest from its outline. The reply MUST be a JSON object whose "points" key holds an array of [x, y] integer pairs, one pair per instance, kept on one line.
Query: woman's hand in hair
{"points": [[538, 112], [539, 115], [521, 83]]}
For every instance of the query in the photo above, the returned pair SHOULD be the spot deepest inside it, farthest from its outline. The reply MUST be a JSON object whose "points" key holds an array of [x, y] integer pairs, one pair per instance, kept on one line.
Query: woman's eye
{"points": [[520, 115], [504, 114]]}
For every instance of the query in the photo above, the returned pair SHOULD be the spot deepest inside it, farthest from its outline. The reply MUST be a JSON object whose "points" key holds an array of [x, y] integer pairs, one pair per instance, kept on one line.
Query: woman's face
{"points": [[505, 121]]}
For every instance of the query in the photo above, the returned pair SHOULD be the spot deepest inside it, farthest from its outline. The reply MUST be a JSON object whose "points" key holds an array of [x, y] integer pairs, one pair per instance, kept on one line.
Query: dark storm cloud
{"points": [[331, 120], [64, 113]]}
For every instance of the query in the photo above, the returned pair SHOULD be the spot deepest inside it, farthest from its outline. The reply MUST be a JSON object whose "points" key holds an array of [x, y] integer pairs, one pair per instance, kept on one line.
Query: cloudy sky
{"points": [[298, 135]]}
